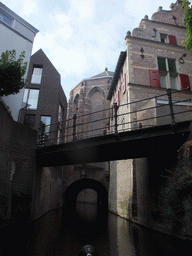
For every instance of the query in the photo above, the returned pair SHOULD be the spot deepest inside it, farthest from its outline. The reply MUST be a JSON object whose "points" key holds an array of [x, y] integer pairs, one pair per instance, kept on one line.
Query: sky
{"points": [[83, 37]]}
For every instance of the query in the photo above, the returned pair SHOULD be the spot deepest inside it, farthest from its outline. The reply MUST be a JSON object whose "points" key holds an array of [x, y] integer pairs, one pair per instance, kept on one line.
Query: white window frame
{"points": [[164, 37], [27, 98], [168, 75], [36, 75]]}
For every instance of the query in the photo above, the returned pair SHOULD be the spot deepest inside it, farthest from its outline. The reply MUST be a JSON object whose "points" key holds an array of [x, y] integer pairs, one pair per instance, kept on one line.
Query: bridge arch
{"points": [[71, 195]]}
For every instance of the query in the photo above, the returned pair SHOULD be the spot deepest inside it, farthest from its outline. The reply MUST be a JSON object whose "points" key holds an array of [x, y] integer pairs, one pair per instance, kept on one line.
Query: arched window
{"points": [[76, 102]]}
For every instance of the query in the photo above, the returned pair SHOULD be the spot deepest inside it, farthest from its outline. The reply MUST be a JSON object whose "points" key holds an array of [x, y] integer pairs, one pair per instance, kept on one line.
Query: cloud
{"points": [[69, 60], [29, 7], [62, 19], [85, 9], [44, 41], [82, 37], [140, 8]]}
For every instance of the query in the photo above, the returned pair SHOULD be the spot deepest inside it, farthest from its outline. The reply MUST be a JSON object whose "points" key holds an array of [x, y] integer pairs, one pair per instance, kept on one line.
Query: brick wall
{"points": [[17, 162], [48, 190]]}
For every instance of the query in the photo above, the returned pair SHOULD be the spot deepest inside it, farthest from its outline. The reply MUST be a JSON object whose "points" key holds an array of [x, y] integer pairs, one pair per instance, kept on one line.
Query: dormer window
{"points": [[168, 39], [6, 18], [163, 38]]}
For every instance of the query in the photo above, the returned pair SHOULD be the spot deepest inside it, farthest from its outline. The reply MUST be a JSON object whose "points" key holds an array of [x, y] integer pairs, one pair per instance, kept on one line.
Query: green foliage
{"points": [[176, 196], [188, 23], [12, 71]]}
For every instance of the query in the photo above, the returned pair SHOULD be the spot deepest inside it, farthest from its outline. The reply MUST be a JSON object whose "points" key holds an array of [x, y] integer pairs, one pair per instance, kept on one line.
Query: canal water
{"points": [[51, 235]]}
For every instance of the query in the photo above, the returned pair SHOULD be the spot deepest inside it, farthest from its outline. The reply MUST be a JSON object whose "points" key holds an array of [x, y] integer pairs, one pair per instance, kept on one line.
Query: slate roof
{"points": [[106, 73]]}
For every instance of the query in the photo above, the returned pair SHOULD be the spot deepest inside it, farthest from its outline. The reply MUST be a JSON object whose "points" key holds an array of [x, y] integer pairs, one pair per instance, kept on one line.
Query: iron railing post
{"points": [[39, 137], [74, 126], [171, 106], [115, 115]]}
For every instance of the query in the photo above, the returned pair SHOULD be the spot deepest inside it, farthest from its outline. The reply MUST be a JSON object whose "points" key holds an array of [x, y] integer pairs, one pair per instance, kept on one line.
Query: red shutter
{"points": [[185, 82], [117, 98], [172, 40], [124, 83], [154, 78]]}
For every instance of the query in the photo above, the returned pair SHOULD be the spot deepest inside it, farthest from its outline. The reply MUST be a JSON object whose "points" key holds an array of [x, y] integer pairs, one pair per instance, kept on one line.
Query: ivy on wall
{"points": [[188, 23], [12, 71], [177, 195]]}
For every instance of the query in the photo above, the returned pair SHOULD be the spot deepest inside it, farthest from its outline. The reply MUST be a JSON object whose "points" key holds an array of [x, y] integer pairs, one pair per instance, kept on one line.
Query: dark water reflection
{"points": [[49, 235]]}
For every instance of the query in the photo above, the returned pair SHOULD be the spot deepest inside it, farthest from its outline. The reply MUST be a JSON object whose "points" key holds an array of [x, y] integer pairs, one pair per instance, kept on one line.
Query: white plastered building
{"points": [[16, 34]]}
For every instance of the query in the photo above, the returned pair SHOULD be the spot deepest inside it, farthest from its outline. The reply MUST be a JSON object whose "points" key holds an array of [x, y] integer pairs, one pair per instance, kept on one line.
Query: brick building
{"points": [[44, 110], [90, 96], [44, 101], [26, 191], [155, 60], [87, 97]]}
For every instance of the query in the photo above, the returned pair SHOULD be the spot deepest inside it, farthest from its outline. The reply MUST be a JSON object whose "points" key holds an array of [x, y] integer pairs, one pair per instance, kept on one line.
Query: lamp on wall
{"points": [[83, 173], [142, 55], [181, 60]]}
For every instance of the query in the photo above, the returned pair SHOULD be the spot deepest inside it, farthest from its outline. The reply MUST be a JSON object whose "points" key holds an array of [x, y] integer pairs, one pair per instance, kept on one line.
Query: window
{"points": [[6, 19], [117, 98], [60, 114], [163, 38], [37, 75], [124, 83], [44, 129], [45, 124], [76, 102], [168, 39], [167, 76], [30, 98], [167, 73]]}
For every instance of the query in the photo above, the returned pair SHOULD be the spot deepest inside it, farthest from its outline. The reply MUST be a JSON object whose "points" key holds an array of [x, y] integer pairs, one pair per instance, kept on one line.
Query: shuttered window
{"points": [[168, 39], [111, 112], [185, 84], [124, 83], [117, 98], [167, 72], [172, 40], [154, 78]]}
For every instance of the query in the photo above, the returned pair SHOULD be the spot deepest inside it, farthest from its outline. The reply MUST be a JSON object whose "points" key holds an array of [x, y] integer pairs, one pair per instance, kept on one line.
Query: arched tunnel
{"points": [[76, 221]]}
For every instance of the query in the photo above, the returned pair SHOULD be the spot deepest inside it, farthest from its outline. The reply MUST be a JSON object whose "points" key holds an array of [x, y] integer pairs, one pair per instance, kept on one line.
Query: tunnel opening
{"points": [[86, 207]]}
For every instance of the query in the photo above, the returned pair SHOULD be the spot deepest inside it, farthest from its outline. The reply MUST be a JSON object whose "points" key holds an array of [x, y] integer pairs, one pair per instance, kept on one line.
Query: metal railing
{"points": [[152, 111]]}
